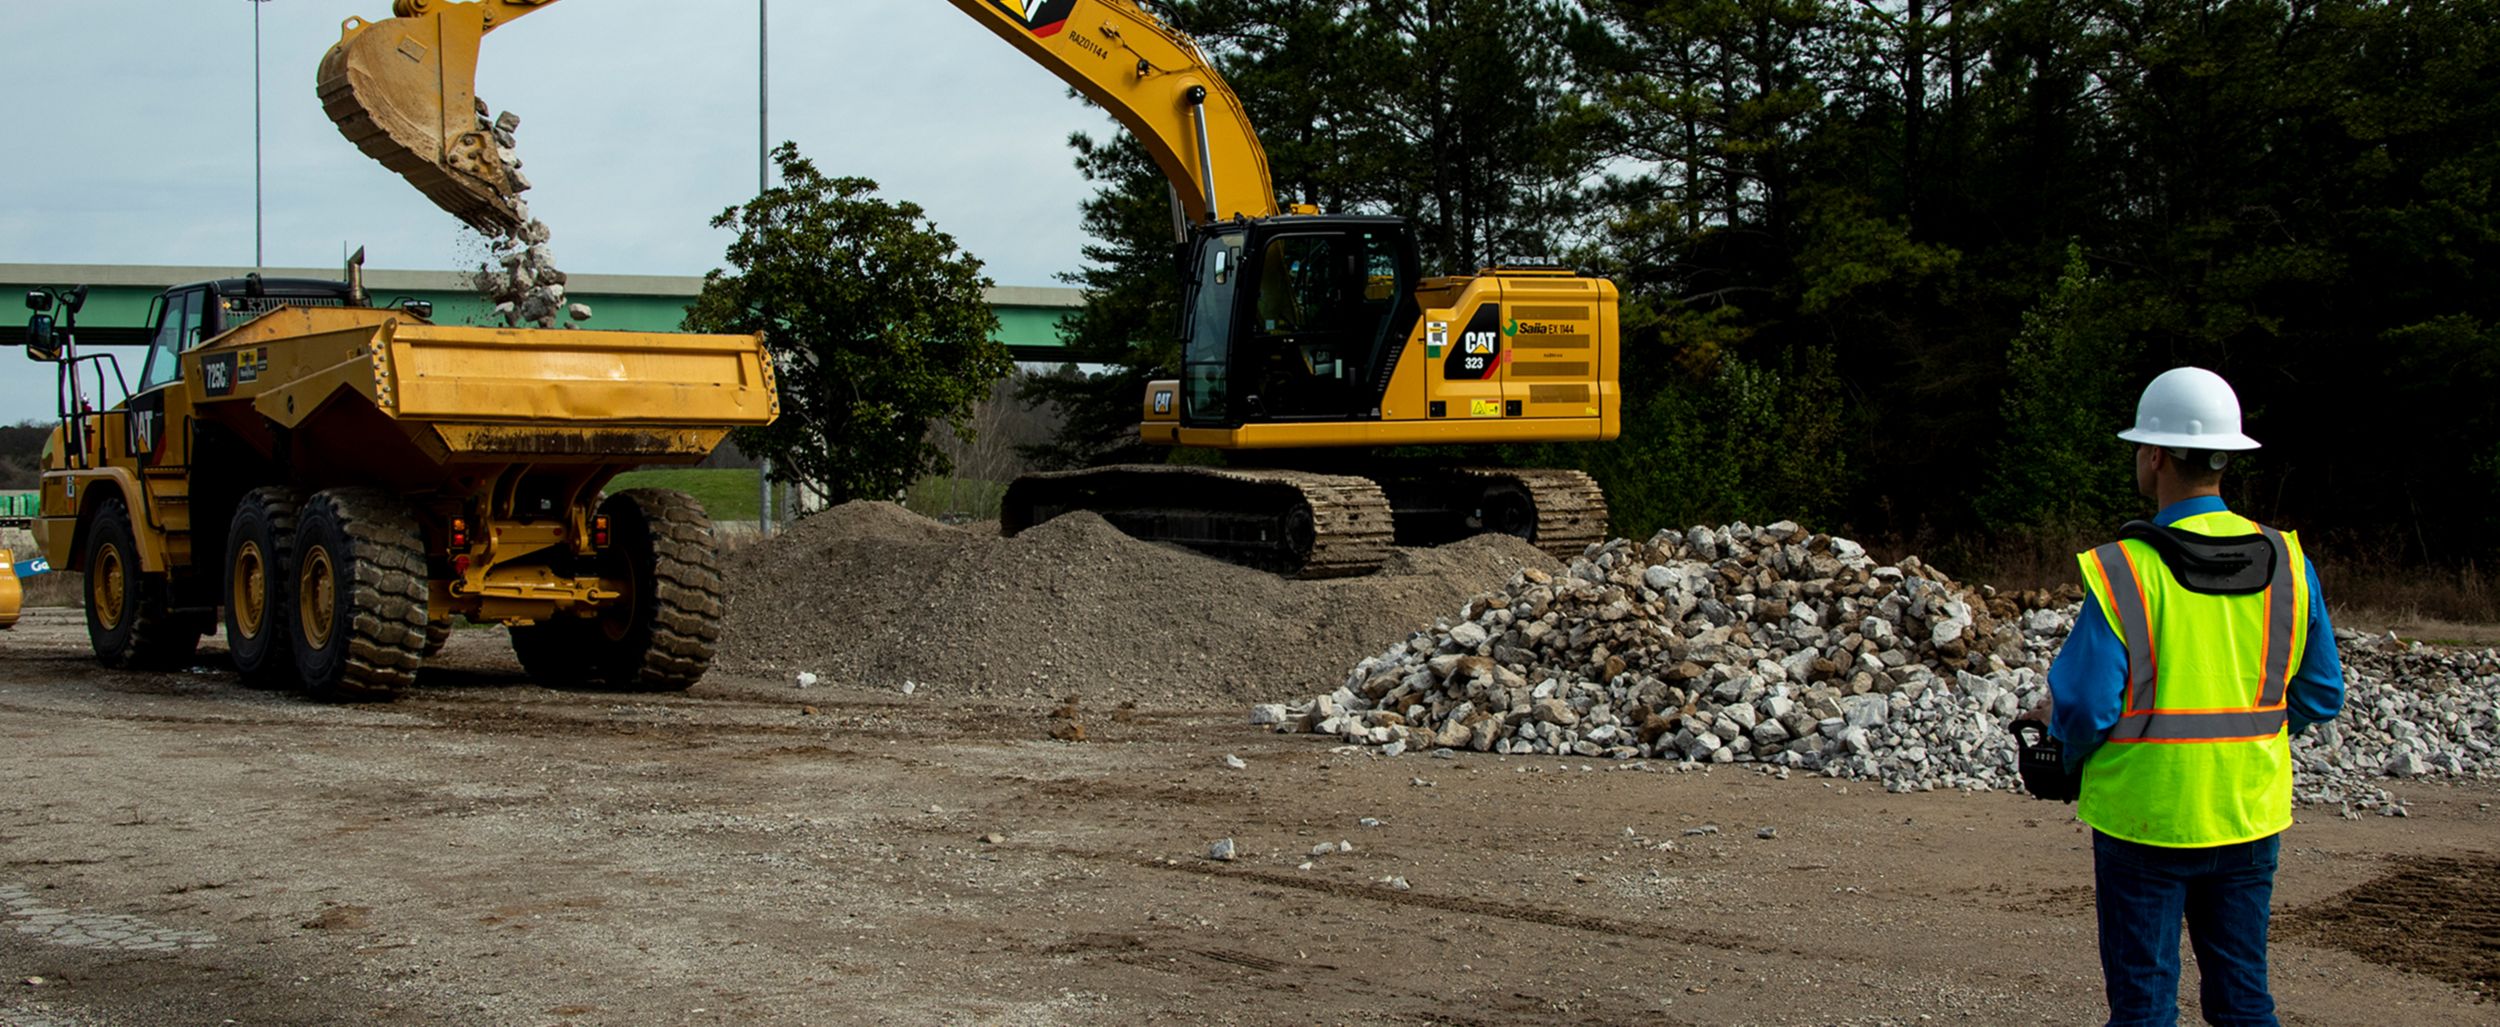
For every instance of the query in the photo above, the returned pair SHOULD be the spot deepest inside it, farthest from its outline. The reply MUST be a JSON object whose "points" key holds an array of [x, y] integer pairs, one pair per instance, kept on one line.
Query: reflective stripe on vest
{"points": [[2141, 719]]}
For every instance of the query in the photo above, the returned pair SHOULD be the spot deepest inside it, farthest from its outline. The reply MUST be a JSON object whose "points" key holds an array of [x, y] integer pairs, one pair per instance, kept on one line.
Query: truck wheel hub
{"points": [[251, 590], [108, 587], [317, 597]]}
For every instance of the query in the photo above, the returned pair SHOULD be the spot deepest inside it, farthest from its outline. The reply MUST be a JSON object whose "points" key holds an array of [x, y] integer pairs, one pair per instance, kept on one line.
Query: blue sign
{"points": [[31, 568]]}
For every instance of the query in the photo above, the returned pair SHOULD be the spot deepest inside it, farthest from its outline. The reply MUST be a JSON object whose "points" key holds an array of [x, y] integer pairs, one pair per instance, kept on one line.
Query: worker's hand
{"points": [[2040, 710]]}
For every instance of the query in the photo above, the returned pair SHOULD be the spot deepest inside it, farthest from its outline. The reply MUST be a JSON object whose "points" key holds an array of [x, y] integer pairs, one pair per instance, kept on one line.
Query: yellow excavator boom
{"points": [[1158, 84], [404, 89]]}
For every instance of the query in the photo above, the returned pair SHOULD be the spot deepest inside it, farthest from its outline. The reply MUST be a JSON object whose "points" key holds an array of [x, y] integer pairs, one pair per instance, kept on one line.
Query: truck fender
{"points": [[103, 483]]}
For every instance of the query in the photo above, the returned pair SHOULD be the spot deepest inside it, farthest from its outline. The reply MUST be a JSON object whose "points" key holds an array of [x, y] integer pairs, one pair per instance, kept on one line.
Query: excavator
{"points": [[1311, 342]]}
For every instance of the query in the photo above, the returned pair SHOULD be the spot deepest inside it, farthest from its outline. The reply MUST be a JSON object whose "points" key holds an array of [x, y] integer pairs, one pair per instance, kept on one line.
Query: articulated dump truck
{"points": [[338, 481]]}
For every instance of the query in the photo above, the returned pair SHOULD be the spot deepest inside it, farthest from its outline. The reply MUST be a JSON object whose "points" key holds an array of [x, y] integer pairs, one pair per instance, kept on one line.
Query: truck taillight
{"points": [[460, 533], [599, 532]]}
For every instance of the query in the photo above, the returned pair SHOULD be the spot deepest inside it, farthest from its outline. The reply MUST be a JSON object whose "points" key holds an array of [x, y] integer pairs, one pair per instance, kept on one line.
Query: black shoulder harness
{"points": [[2207, 564]]}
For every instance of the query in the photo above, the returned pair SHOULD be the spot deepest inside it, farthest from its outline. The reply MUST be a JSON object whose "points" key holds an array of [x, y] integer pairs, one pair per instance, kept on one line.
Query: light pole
{"points": [[763, 180], [763, 101], [259, 258]]}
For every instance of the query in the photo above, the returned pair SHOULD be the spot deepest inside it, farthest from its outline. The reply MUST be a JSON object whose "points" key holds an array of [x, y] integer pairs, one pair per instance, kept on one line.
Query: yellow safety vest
{"points": [[2200, 756]]}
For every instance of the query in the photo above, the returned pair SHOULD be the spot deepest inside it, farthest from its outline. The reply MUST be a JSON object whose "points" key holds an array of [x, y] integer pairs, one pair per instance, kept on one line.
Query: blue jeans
{"points": [[2223, 893]]}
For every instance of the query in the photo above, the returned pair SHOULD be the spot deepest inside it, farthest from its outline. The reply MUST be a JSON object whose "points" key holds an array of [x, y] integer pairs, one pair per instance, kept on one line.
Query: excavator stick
{"points": [[404, 90]]}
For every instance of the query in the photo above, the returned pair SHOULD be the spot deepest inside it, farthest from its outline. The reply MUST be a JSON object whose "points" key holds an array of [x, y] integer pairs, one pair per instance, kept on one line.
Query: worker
{"points": [[1280, 300], [2204, 647]]}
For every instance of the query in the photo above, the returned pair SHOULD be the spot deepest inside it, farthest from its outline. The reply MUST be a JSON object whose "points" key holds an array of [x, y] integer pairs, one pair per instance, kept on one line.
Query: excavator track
{"points": [[1570, 508], [1296, 523], [1311, 525], [1558, 511]]}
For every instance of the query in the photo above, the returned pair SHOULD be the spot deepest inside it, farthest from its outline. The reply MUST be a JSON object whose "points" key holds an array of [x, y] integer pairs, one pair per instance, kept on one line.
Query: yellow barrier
{"points": [[10, 595]]}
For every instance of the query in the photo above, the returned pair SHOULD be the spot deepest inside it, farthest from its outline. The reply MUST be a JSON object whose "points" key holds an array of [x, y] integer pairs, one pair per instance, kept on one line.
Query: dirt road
{"points": [[179, 850]]}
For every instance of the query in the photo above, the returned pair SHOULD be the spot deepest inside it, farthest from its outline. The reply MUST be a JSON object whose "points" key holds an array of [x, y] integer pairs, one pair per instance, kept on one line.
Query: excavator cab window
{"points": [[1294, 360], [1326, 300], [1206, 353], [180, 317]]}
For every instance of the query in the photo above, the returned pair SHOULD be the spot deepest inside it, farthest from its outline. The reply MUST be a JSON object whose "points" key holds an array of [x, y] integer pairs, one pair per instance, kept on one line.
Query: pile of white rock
{"points": [[2410, 711], [1796, 651], [522, 280]]}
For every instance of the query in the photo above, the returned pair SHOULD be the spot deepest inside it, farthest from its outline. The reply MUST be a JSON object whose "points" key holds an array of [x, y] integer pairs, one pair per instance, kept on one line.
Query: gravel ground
{"points": [[175, 849], [178, 850]]}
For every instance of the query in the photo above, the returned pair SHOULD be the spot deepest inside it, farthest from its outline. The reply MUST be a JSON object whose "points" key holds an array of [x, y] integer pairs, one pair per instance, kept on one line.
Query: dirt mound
{"points": [[871, 594]]}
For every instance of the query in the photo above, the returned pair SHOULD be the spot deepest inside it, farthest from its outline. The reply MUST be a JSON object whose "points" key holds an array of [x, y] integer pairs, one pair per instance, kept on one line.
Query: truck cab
{"points": [[127, 442], [182, 318]]}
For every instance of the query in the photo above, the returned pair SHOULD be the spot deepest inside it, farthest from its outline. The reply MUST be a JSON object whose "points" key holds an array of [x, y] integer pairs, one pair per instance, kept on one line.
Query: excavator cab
{"points": [[1295, 318]]}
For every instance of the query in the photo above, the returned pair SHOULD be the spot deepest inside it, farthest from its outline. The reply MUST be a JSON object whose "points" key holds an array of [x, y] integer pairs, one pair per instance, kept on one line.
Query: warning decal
{"points": [[1040, 17]]}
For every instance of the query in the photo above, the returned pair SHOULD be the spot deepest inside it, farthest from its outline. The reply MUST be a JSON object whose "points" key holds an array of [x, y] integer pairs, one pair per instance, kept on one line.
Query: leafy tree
{"points": [[1489, 131], [1309, 77], [878, 326], [2057, 468], [1902, 265]]}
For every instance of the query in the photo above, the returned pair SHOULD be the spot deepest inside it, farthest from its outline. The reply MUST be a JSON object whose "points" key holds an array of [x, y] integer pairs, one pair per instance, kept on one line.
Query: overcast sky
{"points": [[131, 135]]}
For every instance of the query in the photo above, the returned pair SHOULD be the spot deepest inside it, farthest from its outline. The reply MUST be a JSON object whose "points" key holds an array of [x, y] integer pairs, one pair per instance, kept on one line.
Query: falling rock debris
{"points": [[522, 279]]}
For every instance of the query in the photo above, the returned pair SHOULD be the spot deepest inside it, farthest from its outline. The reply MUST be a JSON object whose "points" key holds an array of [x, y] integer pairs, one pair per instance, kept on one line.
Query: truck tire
{"points": [[659, 637], [129, 623], [357, 590], [258, 623], [437, 634]]}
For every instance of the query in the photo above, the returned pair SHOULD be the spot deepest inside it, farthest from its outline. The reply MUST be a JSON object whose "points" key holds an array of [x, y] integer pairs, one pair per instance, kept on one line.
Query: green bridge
{"points": [[117, 300]]}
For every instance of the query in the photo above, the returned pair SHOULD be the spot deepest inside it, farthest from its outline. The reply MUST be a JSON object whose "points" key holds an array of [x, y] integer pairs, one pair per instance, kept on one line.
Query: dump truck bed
{"points": [[343, 378]]}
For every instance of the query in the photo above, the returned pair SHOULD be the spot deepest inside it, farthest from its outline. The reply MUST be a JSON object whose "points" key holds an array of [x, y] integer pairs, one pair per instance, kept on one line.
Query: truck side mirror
{"points": [[41, 344], [77, 299], [38, 300]]}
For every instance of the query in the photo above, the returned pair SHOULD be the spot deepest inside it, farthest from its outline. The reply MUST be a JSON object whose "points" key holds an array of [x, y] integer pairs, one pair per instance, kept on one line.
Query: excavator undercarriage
{"points": [[1307, 524]]}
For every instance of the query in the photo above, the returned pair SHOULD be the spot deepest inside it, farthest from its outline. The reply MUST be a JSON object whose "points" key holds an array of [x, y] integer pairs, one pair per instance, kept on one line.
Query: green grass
{"points": [[728, 494]]}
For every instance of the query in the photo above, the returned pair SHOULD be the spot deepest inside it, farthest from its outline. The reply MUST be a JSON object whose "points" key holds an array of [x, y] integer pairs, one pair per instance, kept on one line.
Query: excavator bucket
{"points": [[404, 90]]}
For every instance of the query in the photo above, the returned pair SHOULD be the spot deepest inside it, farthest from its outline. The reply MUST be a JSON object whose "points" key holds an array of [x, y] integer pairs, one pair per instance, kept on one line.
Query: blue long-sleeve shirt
{"points": [[2089, 678]]}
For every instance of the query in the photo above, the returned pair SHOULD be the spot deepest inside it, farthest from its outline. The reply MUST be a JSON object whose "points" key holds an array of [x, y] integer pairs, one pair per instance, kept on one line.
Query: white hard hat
{"points": [[2189, 408]]}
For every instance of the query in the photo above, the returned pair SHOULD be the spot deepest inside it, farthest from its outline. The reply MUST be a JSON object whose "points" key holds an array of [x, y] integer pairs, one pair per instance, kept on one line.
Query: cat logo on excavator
{"points": [[1040, 17]]}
